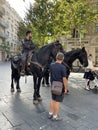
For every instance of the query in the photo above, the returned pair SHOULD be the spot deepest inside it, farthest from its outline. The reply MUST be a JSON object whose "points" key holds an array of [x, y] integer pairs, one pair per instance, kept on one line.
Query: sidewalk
{"points": [[17, 112]]}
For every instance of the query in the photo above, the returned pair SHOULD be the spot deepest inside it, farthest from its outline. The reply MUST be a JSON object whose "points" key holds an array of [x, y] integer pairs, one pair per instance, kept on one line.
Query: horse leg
{"points": [[47, 79], [12, 83], [38, 89], [18, 86], [35, 100], [87, 87], [89, 84], [43, 82]]}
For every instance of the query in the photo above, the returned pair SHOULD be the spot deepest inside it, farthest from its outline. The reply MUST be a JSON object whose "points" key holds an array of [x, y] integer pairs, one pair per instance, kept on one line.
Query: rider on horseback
{"points": [[27, 50]]}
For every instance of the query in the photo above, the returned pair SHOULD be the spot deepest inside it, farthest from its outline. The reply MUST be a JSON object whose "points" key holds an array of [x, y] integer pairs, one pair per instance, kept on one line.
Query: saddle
{"points": [[16, 59]]}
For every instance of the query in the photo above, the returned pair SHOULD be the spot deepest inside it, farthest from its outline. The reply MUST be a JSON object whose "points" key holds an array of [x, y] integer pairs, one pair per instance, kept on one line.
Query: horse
{"points": [[70, 57], [38, 62]]}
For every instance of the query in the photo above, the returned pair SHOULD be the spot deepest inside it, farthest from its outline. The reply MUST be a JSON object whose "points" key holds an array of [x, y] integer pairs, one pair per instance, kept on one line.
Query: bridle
{"points": [[54, 44]]}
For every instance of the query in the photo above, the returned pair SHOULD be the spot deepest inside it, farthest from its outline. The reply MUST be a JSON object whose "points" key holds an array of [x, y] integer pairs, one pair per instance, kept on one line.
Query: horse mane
{"points": [[44, 47], [41, 50], [72, 52], [71, 55]]}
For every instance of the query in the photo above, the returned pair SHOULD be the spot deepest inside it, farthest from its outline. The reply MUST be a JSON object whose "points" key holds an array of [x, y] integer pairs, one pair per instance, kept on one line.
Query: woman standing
{"points": [[88, 75]]}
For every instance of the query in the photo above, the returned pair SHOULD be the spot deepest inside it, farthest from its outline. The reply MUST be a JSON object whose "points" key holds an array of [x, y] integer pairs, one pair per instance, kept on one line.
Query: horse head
{"points": [[56, 47], [83, 57]]}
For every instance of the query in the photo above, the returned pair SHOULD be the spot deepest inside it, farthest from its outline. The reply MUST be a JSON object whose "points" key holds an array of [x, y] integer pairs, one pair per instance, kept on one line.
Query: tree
{"points": [[74, 15], [39, 15], [50, 19]]}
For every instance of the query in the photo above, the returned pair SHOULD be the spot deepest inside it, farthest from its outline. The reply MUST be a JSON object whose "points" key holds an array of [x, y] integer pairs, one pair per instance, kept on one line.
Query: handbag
{"points": [[56, 88]]}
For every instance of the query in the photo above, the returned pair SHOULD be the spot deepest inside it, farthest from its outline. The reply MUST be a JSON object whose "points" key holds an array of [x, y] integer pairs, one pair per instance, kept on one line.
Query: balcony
{"points": [[3, 23], [2, 35], [2, 11]]}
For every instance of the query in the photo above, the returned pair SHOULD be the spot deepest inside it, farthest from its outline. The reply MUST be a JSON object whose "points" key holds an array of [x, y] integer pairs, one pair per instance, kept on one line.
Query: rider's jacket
{"points": [[27, 45]]}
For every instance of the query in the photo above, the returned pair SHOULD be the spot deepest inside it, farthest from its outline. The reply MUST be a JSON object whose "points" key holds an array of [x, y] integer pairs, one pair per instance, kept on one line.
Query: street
{"points": [[17, 111]]}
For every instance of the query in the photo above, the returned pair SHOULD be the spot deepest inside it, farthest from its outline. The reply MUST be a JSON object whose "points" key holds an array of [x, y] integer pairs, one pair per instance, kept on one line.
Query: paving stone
{"points": [[74, 124], [73, 116], [17, 112], [4, 123], [22, 127], [68, 128], [83, 128], [13, 118], [3, 105], [94, 128]]}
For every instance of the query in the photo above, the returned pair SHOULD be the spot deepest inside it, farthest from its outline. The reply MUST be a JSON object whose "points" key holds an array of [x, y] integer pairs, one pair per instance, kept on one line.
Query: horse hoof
{"points": [[39, 99], [48, 85], [43, 85], [35, 102], [19, 90], [12, 90]]}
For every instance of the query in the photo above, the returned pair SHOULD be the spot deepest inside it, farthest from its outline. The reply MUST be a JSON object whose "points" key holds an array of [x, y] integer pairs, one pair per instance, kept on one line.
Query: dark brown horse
{"points": [[38, 63], [69, 58]]}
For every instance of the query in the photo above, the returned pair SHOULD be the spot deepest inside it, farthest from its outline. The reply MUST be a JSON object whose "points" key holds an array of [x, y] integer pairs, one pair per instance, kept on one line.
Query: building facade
{"points": [[3, 27], [10, 19]]}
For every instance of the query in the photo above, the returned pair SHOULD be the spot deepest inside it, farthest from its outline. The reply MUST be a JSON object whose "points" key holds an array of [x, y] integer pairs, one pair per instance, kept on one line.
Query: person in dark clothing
{"points": [[27, 50], [57, 73]]}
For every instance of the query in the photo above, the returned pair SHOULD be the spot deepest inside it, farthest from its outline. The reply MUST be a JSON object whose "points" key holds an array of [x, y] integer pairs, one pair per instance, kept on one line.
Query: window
{"points": [[14, 45], [8, 44], [8, 33], [11, 44], [14, 37], [8, 18]]}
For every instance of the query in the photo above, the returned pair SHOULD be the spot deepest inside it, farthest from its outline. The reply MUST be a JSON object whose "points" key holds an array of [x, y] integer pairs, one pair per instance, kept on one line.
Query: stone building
{"points": [[13, 19], [3, 27], [10, 40]]}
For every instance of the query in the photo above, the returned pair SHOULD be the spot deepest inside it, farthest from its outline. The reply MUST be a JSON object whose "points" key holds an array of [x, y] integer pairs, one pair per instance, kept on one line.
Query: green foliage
{"points": [[74, 14], [39, 15], [49, 19], [4, 48]]}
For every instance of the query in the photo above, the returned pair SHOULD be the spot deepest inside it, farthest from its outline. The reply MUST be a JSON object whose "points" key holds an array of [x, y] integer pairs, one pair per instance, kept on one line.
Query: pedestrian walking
{"points": [[59, 86]]}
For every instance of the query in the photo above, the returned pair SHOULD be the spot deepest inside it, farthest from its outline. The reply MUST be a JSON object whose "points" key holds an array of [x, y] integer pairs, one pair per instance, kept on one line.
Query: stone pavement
{"points": [[17, 112]]}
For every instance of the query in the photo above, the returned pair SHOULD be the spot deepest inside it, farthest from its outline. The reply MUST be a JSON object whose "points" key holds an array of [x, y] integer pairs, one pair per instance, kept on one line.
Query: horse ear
{"points": [[83, 48]]}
